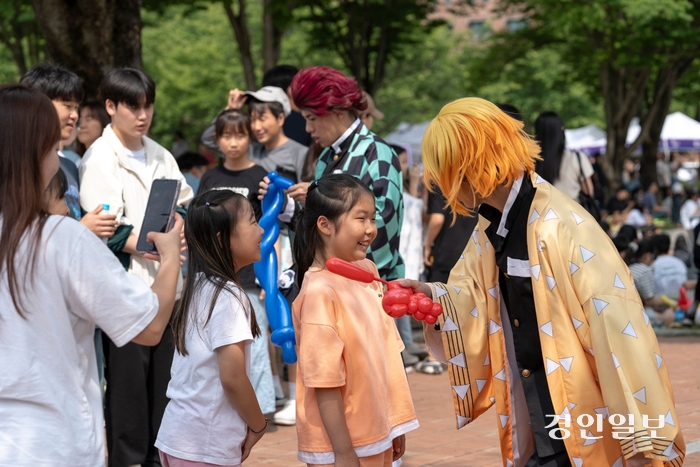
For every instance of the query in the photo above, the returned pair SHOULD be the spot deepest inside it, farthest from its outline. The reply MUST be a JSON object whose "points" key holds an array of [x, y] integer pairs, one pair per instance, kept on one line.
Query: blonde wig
{"points": [[472, 140]]}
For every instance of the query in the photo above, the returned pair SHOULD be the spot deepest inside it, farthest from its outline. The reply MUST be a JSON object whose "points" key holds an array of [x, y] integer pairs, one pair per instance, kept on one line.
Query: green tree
{"points": [[19, 33], [635, 52], [366, 34]]}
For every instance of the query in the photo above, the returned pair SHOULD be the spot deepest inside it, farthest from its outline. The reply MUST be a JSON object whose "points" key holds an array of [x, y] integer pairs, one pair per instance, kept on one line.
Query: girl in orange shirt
{"points": [[354, 406]]}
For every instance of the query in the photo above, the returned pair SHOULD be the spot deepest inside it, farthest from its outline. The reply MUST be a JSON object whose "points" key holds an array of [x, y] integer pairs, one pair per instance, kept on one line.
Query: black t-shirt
{"points": [[245, 182], [452, 240], [295, 128]]}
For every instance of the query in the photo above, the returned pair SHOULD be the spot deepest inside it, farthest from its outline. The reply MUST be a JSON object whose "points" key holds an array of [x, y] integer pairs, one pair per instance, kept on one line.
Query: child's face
{"points": [[67, 115], [354, 233], [132, 122], [266, 127], [246, 238], [234, 145]]}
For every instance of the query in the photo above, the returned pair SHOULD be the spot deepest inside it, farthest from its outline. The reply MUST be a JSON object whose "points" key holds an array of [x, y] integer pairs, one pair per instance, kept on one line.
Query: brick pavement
{"points": [[438, 443]]}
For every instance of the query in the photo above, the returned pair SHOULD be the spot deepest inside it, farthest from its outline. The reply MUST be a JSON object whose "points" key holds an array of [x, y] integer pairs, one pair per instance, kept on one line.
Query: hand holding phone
{"points": [[167, 244], [160, 211]]}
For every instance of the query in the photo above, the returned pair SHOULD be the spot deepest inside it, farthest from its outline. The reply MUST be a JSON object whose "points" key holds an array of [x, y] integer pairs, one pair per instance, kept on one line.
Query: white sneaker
{"points": [[288, 415]]}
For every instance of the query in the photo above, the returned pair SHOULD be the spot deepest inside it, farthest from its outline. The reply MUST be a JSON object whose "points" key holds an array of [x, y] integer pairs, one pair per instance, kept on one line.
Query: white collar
{"points": [[344, 136], [514, 190]]}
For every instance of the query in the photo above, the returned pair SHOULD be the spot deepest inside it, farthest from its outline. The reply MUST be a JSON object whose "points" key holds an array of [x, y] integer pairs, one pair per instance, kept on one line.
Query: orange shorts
{"points": [[383, 459]]}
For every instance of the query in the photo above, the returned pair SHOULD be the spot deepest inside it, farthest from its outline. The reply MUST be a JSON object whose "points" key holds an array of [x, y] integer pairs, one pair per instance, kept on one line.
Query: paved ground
{"points": [[438, 443]]}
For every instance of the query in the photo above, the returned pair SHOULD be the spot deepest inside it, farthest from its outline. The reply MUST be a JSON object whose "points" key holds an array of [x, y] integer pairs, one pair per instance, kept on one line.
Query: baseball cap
{"points": [[372, 108], [272, 94]]}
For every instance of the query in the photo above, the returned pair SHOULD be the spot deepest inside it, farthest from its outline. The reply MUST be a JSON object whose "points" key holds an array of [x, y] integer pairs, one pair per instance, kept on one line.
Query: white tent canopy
{"points": [[588, 139], [679, 132], [409, 134]]}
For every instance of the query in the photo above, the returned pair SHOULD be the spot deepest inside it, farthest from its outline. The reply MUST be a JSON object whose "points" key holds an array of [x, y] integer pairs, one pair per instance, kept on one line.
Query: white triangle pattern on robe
{"points": [[461, 421], [535, 270], [604, 411], [617, 463], [487, 360], [478, 249], [504, 420], [616, 362], [577, 218], [646, 317], [566, 363], [659, 360], [493, 327], [475, 236], [509, 463], [492, 399], [577, 323], [539, 244], [458, 360], [487, 245], [566, 411], [618, 283], [669, 419], [480, 383], [493, 291], [578, 462], [641, 395], [599, 304], [591, 351], [551, 215], [550, 282], [590, 440], [540, 180], [535, 215], [586, 254], [571, 405], [501, 374], [474, 312], [547, 328], [461, 390], [629, 330], [572, 268], [449, 325], [670, 452], [439, 292], [551, 366], [456, 289]]}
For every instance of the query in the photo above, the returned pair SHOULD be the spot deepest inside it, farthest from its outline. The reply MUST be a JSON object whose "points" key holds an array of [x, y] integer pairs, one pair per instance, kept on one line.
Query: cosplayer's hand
{"points": [[101, 224], [347, 459], [638, 460], [416, 286], [236, 99], [399, 447], [298, 192]]}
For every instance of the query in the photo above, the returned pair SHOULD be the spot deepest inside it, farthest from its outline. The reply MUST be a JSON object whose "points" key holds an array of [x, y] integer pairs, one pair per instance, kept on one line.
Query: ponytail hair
{"points": [[211, 219], [331, 196]]}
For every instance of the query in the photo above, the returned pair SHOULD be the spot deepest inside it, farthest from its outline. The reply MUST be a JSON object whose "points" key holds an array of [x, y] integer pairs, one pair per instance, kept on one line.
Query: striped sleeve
{"points": [[383, 176]]}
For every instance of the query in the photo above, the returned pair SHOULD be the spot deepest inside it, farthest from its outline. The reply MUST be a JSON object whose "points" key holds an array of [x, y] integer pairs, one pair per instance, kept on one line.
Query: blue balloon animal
{"points": [[278, 311]]}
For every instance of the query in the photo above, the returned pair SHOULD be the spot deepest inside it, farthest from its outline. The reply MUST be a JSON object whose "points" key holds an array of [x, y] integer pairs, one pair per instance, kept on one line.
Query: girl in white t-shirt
{"points": [[213, 417]]}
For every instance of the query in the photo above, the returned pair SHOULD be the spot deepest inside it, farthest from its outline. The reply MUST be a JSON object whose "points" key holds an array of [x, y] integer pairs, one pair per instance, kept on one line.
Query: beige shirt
{"points": [[569, 173], [109, 176]]}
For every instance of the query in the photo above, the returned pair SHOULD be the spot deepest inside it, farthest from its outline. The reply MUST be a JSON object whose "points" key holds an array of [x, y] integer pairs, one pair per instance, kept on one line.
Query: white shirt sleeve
{"points": [[288, 213], [230, 320], [98, 289]]}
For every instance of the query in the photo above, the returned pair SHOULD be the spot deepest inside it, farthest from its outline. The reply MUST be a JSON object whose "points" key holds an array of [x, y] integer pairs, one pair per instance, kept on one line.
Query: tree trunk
{"points": [[272, 35], [239, 23], [90, 37]]}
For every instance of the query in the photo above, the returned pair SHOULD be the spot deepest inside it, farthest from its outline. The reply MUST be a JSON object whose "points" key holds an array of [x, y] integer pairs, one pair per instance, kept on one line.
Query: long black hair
{"points": [[549, 132], [330, 196], [211, 219]]}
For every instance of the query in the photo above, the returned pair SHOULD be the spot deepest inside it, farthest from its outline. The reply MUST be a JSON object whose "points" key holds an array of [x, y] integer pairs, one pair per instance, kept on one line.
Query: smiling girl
{"points": [[344, 338]]}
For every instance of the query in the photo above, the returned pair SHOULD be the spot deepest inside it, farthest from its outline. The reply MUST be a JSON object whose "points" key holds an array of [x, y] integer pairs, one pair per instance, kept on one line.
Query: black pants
{"points": [[560, 459], [137, 379]]}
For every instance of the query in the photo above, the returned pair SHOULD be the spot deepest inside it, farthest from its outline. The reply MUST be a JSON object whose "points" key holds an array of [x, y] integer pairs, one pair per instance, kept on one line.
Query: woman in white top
{"points": [[57, 280], [559, 166]]}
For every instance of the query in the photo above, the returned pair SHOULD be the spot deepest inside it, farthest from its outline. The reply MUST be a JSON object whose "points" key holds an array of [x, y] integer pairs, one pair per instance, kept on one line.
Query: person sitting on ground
{"points": [[657, 307], [681, 251], [651, 202], [670, 273], [690, 210], [272, 150], [193, 166]]}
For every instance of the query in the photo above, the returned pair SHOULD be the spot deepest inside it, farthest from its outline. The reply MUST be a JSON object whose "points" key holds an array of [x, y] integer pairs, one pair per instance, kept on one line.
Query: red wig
{"points": [[322, 90]]}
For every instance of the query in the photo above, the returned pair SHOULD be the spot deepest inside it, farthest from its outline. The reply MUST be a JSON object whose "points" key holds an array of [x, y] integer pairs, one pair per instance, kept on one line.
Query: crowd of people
{"points": [[171, 351]]}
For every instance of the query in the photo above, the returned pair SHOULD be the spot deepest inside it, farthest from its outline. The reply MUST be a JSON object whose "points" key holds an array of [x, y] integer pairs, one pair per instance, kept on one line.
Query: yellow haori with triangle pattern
{"points": [[599, 350]]}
